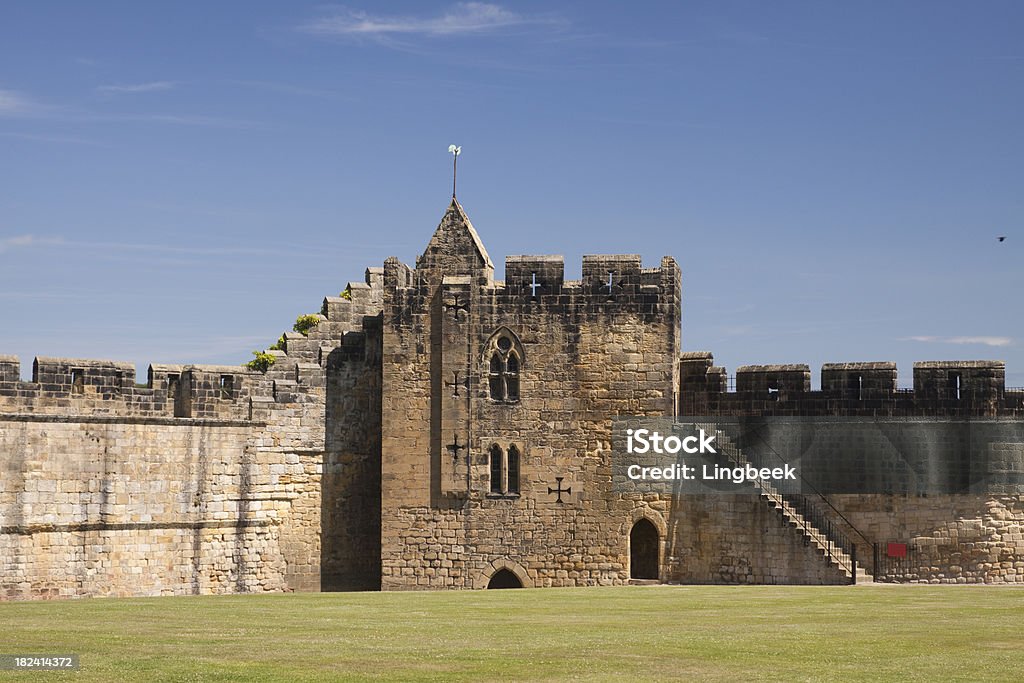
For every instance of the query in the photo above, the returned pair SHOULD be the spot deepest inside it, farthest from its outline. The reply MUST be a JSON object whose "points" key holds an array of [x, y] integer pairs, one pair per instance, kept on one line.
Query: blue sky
{"points": [[179, 181]]}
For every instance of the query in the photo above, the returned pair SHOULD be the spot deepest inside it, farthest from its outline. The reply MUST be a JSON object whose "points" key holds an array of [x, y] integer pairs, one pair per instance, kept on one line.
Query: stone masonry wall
{"points": [[959, 511], [207, 479], [950, 539], [738, 539], [136, 508], [351, 485]]}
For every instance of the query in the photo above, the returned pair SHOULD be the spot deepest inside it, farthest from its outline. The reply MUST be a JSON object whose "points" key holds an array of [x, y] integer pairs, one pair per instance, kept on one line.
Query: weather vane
{"points": [[455, 152]]}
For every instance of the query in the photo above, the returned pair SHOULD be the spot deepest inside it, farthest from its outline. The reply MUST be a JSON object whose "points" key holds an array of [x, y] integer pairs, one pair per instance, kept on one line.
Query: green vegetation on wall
{"points": [[304, 323], [261, 362]]}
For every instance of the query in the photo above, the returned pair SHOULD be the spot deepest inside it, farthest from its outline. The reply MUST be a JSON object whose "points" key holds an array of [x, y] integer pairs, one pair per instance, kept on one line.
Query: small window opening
{"points": [[955, 385], [227, 386], [773, 391], [78, 381], [172, 384], [856, 387]]}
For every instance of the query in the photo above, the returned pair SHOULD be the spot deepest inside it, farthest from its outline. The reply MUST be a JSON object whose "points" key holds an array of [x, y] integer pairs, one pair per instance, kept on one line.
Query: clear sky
{"points": [[180, 180]]}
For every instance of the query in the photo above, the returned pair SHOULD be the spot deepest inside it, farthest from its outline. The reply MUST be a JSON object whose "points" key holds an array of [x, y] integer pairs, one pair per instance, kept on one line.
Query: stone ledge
{"points": [[131, 419], [874, 365], [133, 526], [752, 369], [957, 364]]}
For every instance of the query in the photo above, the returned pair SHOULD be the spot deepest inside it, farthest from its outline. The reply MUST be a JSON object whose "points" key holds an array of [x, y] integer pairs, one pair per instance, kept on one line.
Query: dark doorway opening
{"points": [[643, 551], [503, 578]]}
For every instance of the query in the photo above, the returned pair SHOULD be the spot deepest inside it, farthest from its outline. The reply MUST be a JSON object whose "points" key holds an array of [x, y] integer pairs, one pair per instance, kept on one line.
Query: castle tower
{"points": [[496, 410]]}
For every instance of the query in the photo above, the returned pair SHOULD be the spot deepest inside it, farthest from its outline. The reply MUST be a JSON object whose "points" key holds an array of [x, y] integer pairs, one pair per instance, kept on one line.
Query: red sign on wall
{"points": [[897, 550]]}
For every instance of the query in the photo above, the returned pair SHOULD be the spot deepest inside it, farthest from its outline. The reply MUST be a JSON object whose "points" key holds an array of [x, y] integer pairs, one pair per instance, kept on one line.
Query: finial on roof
{"points": [[455, 151]]}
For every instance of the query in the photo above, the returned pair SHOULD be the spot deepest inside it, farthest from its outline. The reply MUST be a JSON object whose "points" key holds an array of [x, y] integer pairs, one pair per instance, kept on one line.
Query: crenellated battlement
{"points": [[80, 387], [605, 277], [543, 274], [87, 387], [608, 281], [940, 388]]}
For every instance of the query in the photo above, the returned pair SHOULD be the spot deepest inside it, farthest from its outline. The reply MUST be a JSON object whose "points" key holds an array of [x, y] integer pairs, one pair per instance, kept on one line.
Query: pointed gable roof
{"points": [[455, 247]]}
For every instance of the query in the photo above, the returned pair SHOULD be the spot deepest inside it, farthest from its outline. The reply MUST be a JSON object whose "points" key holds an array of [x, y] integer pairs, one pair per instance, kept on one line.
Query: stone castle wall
{"points": [[137, 507], [941, 388], [950, 539], [350, 497], [739, 539], [207, 479], [960, 512]]}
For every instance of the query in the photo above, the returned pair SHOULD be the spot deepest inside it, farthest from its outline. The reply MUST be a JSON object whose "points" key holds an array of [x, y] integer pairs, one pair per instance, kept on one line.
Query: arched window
{"points": [[513, 470], [505, 360], [497, 468]]}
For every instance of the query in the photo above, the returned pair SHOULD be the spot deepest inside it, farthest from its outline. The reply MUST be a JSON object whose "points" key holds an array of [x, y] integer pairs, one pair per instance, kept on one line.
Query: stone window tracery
{"points": [[504, 367]]}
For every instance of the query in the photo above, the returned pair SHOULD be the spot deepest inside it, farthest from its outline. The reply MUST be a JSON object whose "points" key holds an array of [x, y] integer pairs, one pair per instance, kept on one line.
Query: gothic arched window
{"points": [[504, 366]]}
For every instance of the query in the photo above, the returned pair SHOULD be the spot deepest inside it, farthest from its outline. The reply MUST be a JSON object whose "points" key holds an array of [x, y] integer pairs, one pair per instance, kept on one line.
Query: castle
{"points": [[438, 429]]}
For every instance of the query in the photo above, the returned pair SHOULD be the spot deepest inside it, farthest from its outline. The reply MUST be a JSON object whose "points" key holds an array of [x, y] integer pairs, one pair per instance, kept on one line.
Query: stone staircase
{"points": [[301, 363], [829, 548]]}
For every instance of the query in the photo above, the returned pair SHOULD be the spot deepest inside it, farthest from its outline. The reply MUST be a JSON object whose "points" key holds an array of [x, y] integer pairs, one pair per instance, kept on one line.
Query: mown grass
{"points": [[640, 633]]}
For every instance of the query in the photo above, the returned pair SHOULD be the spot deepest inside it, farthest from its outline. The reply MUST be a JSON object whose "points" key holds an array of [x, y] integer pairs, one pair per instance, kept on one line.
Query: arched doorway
{"points": [[503, 578], [643, 550]]}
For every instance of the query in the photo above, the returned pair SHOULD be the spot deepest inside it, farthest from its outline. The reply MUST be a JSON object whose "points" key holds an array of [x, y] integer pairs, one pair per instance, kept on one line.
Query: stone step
{"points": [[644, 582], [864, 579]]}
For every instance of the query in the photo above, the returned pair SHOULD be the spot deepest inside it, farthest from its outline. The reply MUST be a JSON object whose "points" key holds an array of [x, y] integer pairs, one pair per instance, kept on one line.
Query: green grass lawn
{"points": [[970, 633]]}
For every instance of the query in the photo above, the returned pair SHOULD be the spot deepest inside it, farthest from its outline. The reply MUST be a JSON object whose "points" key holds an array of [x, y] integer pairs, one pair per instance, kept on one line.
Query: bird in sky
{"points": [[1001, 238]]}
